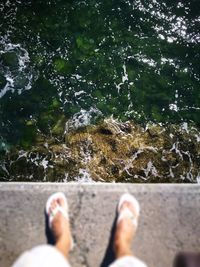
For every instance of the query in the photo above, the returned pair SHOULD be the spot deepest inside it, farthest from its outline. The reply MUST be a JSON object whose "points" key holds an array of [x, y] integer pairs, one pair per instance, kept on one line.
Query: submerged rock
{"points": [[110, 151], [10, 59]]}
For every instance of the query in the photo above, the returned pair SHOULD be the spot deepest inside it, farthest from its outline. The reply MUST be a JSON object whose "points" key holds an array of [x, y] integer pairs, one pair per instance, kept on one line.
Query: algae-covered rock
{"points": [[29, 135], [109, 151], [85, 44], [58, 128], [62, 66], [10, 59]]}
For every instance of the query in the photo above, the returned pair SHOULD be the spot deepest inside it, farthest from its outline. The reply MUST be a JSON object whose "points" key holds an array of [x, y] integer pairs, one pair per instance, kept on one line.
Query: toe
{"points": [[53, 205], [61, 202], [130, 206]]}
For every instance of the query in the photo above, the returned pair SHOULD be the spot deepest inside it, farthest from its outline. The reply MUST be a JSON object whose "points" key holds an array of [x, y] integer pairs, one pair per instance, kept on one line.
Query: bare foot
{"points": [[125, 230], [60, 227]]}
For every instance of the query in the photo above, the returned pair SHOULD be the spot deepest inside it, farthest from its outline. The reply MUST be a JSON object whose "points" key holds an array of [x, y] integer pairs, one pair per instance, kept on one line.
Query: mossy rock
{"points": [[58, 128], [21, 81], [44, 121], [85, 44], [156, 114], [10, 59], [30, 122], [97, 93], [63, 67], [121, 152], [29, 136], [72, 110], [55, 104]]}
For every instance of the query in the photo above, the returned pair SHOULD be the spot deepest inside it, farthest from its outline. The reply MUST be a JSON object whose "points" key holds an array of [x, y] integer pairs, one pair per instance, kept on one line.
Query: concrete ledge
{"points": [[169, 222]]}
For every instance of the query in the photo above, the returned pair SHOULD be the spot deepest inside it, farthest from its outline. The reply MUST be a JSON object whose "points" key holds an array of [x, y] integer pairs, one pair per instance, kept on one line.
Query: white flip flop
{"points": [[63, 210], [127, 212]]}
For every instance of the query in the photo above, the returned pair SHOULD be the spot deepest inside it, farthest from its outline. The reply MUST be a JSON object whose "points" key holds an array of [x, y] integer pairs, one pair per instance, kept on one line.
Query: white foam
{"points": [[44, 163], [185, 127], [82, 119], [161, 36], [23, 69], [84, 177], [173, 107], [150, 169], [198, 178]]}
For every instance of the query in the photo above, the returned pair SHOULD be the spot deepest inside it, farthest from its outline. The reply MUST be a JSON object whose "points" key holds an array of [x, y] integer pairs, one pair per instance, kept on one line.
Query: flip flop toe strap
{"points": [[126, 213], [55, 211]]}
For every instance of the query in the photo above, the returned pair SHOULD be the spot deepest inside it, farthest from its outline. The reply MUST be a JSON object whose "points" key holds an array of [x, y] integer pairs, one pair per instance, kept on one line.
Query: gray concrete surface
{"points": [[169, 221]]}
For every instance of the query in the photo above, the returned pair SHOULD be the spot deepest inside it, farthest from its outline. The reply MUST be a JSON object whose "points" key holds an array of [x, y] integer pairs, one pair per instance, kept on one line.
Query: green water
{"points": [[136, 60]]}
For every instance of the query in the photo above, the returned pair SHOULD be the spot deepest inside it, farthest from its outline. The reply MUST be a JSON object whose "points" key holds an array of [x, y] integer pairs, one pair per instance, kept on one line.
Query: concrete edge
{"points": [[72, 186]]}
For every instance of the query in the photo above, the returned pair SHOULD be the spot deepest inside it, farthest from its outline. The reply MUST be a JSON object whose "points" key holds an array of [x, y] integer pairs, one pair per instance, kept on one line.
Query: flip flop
{"points": [[126, 212], [63, 210]]}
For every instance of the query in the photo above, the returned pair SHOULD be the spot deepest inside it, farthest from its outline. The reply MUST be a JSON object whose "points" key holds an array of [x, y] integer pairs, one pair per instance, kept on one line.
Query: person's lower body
{"points": [[47, 255], [57, 256]]}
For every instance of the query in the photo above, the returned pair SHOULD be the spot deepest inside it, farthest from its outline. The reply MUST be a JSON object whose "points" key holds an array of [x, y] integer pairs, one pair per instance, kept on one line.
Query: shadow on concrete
{"points": [[187, 259], [109, 256], [48, 232]]}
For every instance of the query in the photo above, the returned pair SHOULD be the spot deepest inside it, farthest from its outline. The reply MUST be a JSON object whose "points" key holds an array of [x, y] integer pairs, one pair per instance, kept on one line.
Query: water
{"points": [[69, 64]]}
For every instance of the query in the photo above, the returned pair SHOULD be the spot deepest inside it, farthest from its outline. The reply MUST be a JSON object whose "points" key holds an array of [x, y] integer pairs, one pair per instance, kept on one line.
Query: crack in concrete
{"points": [[81, 251]]}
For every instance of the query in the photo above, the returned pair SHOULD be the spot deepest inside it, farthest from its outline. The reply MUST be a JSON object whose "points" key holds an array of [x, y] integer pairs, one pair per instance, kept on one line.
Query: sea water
{"points": [[65, 65]]}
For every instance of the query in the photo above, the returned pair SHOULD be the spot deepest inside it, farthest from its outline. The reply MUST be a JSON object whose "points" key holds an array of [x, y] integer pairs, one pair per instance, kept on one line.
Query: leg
{"points": [[128, 214], [48, 255], [60, 228], [125, 232]]}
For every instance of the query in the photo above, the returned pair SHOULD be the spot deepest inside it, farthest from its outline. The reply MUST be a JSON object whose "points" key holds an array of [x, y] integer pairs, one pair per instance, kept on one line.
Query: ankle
{"points": [[122, 252], [63, 246], [122, 248]]}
